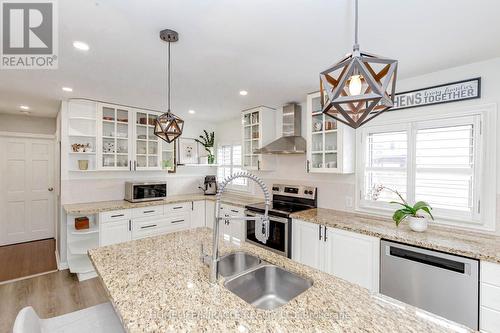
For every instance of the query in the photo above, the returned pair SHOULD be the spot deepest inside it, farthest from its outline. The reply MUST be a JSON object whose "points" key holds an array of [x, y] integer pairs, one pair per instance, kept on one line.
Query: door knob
{"points": [[51, 189]]}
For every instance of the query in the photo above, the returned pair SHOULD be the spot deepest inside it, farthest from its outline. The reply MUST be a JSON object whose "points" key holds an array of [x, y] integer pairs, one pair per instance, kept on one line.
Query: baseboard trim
{"points": [[27, 277], [60, 265]]}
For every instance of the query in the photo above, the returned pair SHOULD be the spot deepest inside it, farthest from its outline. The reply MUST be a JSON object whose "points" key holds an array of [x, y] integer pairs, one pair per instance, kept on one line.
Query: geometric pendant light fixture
{"points": [[359, 87], [168, 126]]}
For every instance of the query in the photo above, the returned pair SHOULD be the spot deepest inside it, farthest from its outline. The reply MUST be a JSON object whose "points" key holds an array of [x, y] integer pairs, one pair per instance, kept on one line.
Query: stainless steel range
{"points": [[287, 199]]}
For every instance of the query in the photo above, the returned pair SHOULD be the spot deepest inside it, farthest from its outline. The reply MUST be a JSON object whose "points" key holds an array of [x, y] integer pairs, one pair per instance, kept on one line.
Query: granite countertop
{"points": [[158, 284], [106, 206], [464, 243]]}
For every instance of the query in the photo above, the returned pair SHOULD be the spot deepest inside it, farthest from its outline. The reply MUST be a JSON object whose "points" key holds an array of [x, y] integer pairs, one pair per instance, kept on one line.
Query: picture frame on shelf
{"points": [[188, 151]]}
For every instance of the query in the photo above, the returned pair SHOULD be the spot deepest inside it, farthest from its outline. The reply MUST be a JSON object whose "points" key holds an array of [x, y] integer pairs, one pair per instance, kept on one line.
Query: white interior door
{"points": [[27, 189]]}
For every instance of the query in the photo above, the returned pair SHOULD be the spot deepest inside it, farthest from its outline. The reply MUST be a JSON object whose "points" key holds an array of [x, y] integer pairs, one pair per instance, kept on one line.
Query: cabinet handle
{"points": [[129, 225], [148, 211], [324, 238], [177, 221], [135, 165], [148, 226], [178, 207], [234, 211], [119, 215], [307, 166], [258, 164], [130, 165], [320, 231], [192, 205]]}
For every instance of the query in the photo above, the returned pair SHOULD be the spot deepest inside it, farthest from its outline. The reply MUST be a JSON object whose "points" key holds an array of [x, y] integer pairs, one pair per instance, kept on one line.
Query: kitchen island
{"points": [[159, 284]]}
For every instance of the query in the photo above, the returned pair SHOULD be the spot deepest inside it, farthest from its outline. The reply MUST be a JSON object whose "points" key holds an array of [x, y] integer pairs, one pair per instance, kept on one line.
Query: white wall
{"points": [[27, 124], [333, 189]]}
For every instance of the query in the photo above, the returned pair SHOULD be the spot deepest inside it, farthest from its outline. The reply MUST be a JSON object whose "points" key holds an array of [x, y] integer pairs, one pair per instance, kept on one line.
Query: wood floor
{"points": [[25, 259], [50, 295]]}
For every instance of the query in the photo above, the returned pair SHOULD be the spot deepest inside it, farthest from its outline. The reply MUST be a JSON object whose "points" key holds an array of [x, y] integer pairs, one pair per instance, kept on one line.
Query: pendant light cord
{"points": [[169, 83], [356, 45]]}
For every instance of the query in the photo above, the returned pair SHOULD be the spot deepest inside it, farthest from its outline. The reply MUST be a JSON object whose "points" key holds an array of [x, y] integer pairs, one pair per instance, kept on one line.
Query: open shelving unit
{"points": [[78, 244], [82, 129]]}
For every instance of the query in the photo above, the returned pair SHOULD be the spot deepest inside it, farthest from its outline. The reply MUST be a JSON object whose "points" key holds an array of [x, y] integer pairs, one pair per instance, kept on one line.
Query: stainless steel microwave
{"points": [[149, 191]]}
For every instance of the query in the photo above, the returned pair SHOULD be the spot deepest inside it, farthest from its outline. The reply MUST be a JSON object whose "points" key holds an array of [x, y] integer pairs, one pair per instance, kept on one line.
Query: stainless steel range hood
{"points": [[291, 142]]}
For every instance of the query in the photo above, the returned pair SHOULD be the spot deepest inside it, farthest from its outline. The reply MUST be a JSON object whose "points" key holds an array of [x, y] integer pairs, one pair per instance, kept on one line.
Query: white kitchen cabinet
{"points": [[115, 232], [306, 245], [210, 213], [489, 310], [348, 255], [115, 137], [232, 230], [198, 214], [258, 129], [353, 257], [330, 144], [114, 144]]}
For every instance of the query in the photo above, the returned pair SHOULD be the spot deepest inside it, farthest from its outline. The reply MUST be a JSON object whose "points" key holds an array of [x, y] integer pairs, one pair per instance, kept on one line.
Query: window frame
{"points": [[484, 117], [232, 166]]}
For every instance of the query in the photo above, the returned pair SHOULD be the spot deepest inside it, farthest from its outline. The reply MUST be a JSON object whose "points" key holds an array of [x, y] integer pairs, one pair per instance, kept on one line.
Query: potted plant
{"points": [[207, 141], [411, 213]]}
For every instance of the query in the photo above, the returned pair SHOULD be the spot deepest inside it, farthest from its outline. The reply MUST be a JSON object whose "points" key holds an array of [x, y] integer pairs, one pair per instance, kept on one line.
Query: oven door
{"points": [[148, 192], [279, 234]]}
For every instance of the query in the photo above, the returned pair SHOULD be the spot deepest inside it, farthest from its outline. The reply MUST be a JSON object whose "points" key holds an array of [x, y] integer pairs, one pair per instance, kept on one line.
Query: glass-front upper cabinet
{"points": [[330, 144], [258, 128], [147, 144], [115, 133]]}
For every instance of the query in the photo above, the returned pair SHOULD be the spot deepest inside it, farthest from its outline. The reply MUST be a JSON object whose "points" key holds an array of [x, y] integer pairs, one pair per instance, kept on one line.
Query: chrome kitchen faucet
{"points": [[215, 246]]}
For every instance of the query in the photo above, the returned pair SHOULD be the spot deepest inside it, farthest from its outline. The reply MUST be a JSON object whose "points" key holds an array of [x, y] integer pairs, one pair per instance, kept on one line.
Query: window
{"points": [[229, 159], [437, 161]]}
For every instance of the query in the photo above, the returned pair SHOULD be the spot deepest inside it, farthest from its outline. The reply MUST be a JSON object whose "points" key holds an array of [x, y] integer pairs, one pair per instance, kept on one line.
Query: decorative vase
{"points": [[418, 224], [83, 164], [211, 156]]}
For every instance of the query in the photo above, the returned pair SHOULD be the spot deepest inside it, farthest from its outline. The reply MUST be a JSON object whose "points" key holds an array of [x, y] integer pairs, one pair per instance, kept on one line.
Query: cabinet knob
{"points": [[51, 189]]}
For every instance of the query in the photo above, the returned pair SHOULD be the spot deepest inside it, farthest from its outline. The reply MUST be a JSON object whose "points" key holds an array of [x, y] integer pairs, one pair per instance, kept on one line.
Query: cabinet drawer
{"points": [[148, 227], [178, 207], [115, 215], [490, 320], [179, 222], [232, 210], [490, 273], [148, 211], [490, 296]]}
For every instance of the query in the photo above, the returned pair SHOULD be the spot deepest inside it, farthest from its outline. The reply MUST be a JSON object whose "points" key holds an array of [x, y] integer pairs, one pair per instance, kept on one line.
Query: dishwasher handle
{"points": [[427, 259]]}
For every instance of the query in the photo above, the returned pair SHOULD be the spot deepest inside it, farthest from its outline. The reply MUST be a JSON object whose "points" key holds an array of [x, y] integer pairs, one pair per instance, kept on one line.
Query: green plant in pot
{"points": [[412, 214], [207, 141]]}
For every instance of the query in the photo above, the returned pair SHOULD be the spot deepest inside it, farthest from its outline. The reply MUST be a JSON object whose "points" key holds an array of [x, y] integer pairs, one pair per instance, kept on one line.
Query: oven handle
{"points": [[271, 217]]}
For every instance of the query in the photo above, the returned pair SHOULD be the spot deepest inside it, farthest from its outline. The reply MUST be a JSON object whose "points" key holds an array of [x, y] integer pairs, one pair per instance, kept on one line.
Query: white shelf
{"points": [[82, 118], [83, 245], [80, 264], [93, 228], [82, 136], [77, 170], [83, 153], [198, 165]]}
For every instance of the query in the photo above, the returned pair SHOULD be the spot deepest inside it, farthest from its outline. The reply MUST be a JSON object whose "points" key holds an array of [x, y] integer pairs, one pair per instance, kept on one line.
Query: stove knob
{"points": [[276, 188]]}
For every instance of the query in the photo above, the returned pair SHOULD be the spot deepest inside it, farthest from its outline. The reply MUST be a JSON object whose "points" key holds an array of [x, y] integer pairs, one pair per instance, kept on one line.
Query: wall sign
{"points": [[444, 93]]}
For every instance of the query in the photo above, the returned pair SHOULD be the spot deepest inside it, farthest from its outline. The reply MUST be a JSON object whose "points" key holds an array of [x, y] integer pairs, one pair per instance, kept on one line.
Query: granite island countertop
{"points": [[106, 206], [158, 284], [465, 243]]}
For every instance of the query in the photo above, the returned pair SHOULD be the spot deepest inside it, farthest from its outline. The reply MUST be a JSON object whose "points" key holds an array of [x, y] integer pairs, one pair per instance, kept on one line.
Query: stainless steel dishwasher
{"points": [[444, 284]]}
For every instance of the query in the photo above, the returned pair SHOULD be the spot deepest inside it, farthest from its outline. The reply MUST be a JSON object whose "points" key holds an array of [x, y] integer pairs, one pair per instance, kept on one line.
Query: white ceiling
{"points": [[272, 48]]}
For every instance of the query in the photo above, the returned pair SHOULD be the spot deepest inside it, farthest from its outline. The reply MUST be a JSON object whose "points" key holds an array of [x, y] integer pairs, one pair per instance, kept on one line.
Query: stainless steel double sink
{"points": [[259, 283]]}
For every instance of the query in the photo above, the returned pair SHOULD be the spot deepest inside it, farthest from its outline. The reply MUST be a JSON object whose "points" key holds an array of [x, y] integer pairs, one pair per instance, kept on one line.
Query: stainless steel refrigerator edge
{"points": [[444, 284]]}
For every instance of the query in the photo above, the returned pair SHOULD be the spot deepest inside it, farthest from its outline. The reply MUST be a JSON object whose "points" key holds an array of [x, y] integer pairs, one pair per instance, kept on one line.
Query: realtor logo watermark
{"points": [[29, 34]]}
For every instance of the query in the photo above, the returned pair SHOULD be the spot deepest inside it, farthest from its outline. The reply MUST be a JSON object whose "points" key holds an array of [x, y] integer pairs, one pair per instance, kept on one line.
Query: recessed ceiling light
{"points": [[67, 89], [243, 92], [81, 45], [24, 107], [192, 111]]}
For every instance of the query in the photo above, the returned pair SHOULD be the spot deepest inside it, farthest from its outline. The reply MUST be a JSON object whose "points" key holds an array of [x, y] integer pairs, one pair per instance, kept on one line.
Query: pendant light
{"points": [[168, 126], [359, 87]]}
